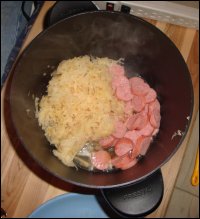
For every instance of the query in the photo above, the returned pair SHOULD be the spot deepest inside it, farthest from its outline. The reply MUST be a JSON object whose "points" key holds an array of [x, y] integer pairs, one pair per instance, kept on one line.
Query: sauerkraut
{"points": [[79, 106]]}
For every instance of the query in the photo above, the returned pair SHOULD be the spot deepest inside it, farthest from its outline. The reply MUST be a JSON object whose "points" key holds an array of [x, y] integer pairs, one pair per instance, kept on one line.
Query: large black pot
{"points": [[147, 52]]}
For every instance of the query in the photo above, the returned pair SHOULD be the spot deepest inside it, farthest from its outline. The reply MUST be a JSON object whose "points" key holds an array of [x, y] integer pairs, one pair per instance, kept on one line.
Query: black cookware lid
{"points": [[63, 9], [136, 200]]}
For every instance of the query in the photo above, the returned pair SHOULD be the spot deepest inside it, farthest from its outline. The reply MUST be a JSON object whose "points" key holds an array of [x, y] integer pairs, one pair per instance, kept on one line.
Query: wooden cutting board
{"points": [[25, 186]]}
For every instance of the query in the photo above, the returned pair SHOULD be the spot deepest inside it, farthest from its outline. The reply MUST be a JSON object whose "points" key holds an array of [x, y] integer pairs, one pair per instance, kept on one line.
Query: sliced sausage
{"points": [[101, 160], [143, 144], [147, 130], [107, 142], [150, 96], [118, 162], [116, 69], [119, 81], [145, 110], [130, 121], [154, 105], [123, 146], [136, 80], [140, 121], [120, 130], [133, 136], [138, 86], [134, 153], [124, 162], [138, 103], [115, 141], [128, 108], [123, 92], [128, 165], [155, 118]]}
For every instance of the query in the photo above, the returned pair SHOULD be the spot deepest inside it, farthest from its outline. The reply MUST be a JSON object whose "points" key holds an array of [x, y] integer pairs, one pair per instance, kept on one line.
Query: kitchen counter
{"points": [[25, 186]]}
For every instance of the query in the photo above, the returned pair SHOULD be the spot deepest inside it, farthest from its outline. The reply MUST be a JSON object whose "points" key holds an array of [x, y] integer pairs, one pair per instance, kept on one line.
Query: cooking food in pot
{"points": [[93, 110], [147, 53]]}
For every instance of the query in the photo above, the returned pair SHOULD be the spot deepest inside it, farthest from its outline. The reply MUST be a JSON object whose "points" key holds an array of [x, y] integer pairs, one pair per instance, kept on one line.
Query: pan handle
{"points": [[138, 199]]}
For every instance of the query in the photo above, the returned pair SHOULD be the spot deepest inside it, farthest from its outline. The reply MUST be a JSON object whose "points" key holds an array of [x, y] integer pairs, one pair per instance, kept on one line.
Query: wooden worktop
{"points": [[25, 187]]}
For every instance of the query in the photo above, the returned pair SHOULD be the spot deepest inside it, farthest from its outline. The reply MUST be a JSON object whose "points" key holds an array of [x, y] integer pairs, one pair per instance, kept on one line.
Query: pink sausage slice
{"points": [[129, 164], [155, 118], [138, 103], [140, 122], [143, 144], [134, 153], [119, 81], [147, 130], [107, 142], [115, 141], [120, 130], [154, 105], [123, 146], [138, 86], [133, 136], [124, 162], [150, 96], [101, 160], [118, 162], [130, 121], [145, 110], [128, 109], [136, 80], [123, 92], [116, 69]]}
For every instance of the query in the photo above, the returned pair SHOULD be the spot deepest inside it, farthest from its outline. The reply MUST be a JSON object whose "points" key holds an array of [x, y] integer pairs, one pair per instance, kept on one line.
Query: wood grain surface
{"points": [[25, 186]]}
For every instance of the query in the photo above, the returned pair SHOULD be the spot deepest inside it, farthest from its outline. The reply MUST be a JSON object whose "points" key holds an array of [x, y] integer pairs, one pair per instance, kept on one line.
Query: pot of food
{"points": [[92, 45]]}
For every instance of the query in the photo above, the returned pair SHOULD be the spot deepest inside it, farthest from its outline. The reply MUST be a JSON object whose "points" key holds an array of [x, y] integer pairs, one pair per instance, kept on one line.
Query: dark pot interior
{"points": [[147, 52]]}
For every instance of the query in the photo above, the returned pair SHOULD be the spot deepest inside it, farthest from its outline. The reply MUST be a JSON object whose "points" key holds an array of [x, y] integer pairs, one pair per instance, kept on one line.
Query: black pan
{"points": [[147, 52]]}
